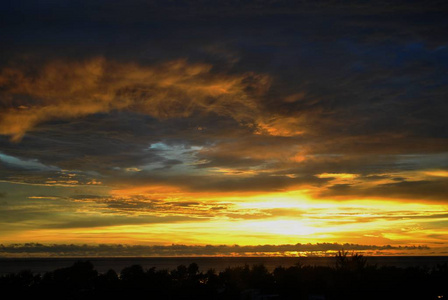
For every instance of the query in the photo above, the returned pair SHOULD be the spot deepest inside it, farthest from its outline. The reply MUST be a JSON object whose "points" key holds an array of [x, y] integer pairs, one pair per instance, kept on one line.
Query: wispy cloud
{"points": [[174, 89]]}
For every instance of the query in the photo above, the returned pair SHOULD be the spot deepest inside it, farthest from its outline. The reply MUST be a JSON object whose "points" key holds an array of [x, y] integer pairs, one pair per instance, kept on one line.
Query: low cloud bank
{"points": [[109, 250]]}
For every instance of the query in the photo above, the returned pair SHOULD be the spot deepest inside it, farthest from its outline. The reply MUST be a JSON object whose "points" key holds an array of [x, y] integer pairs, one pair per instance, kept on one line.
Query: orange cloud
{"points": [[437, 173], [286, 126], [66, 90]]}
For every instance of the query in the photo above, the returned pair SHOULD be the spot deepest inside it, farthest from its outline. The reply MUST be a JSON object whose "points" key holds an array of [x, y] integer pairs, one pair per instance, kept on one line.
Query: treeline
{"points": [[351, 277]]}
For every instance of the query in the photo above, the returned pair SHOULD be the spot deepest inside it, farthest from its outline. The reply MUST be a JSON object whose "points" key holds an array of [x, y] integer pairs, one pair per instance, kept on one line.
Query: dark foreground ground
{"points": [[351, 277]]}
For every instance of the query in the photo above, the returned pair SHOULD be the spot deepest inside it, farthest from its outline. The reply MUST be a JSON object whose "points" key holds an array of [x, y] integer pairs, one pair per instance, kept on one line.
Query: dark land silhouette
{"points": [[351, 277]]}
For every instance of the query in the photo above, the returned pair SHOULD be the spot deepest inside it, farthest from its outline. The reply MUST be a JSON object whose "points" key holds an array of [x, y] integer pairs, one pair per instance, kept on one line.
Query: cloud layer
{"points": [[119, 250]]}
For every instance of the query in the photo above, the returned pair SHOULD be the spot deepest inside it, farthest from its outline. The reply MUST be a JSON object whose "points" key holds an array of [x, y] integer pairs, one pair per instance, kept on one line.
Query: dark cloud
{"points": [[222, 96], [89, 222], [217, 183], [104, 250], [422, 190], [52, 216], [162, 210]]}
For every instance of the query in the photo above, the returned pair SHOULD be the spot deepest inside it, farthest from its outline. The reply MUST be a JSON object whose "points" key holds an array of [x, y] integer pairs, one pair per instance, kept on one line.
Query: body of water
{"points": [[42, 265]]}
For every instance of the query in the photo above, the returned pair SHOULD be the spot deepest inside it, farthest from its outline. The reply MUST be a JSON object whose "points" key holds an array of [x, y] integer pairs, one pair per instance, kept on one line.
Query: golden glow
{"points": [[337, 175], [250, 219], [437, 173], [285, 127], [288, 228], [235, 172]]}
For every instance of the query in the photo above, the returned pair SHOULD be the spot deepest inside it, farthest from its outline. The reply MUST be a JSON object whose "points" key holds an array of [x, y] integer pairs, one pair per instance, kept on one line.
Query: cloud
{"points": [[149, 205], [34, 165], [116, 250], [416, 185], [67, 90], [49, 178], [340, 101], [281, 126], [167, 205]]}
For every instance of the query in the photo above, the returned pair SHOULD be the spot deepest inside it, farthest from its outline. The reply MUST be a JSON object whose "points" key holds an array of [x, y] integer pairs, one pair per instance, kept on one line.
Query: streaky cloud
{"points": [[188, 250]]}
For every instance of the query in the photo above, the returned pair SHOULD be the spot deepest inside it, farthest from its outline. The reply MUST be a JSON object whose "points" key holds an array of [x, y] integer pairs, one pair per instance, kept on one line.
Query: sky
{"points": [[223, 127]]}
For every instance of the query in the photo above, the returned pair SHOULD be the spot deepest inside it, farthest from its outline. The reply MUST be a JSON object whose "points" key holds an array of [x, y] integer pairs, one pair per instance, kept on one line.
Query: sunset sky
{"points": [[247, 123]]}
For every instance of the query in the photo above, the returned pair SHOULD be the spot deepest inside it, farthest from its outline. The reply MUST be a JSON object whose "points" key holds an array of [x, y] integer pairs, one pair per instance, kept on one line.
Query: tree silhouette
{"points": [[350, 278]]}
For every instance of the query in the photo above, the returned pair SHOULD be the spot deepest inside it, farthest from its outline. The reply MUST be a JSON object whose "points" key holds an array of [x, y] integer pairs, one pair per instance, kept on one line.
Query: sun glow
{"points": [[290, 228], [277, 218]]}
